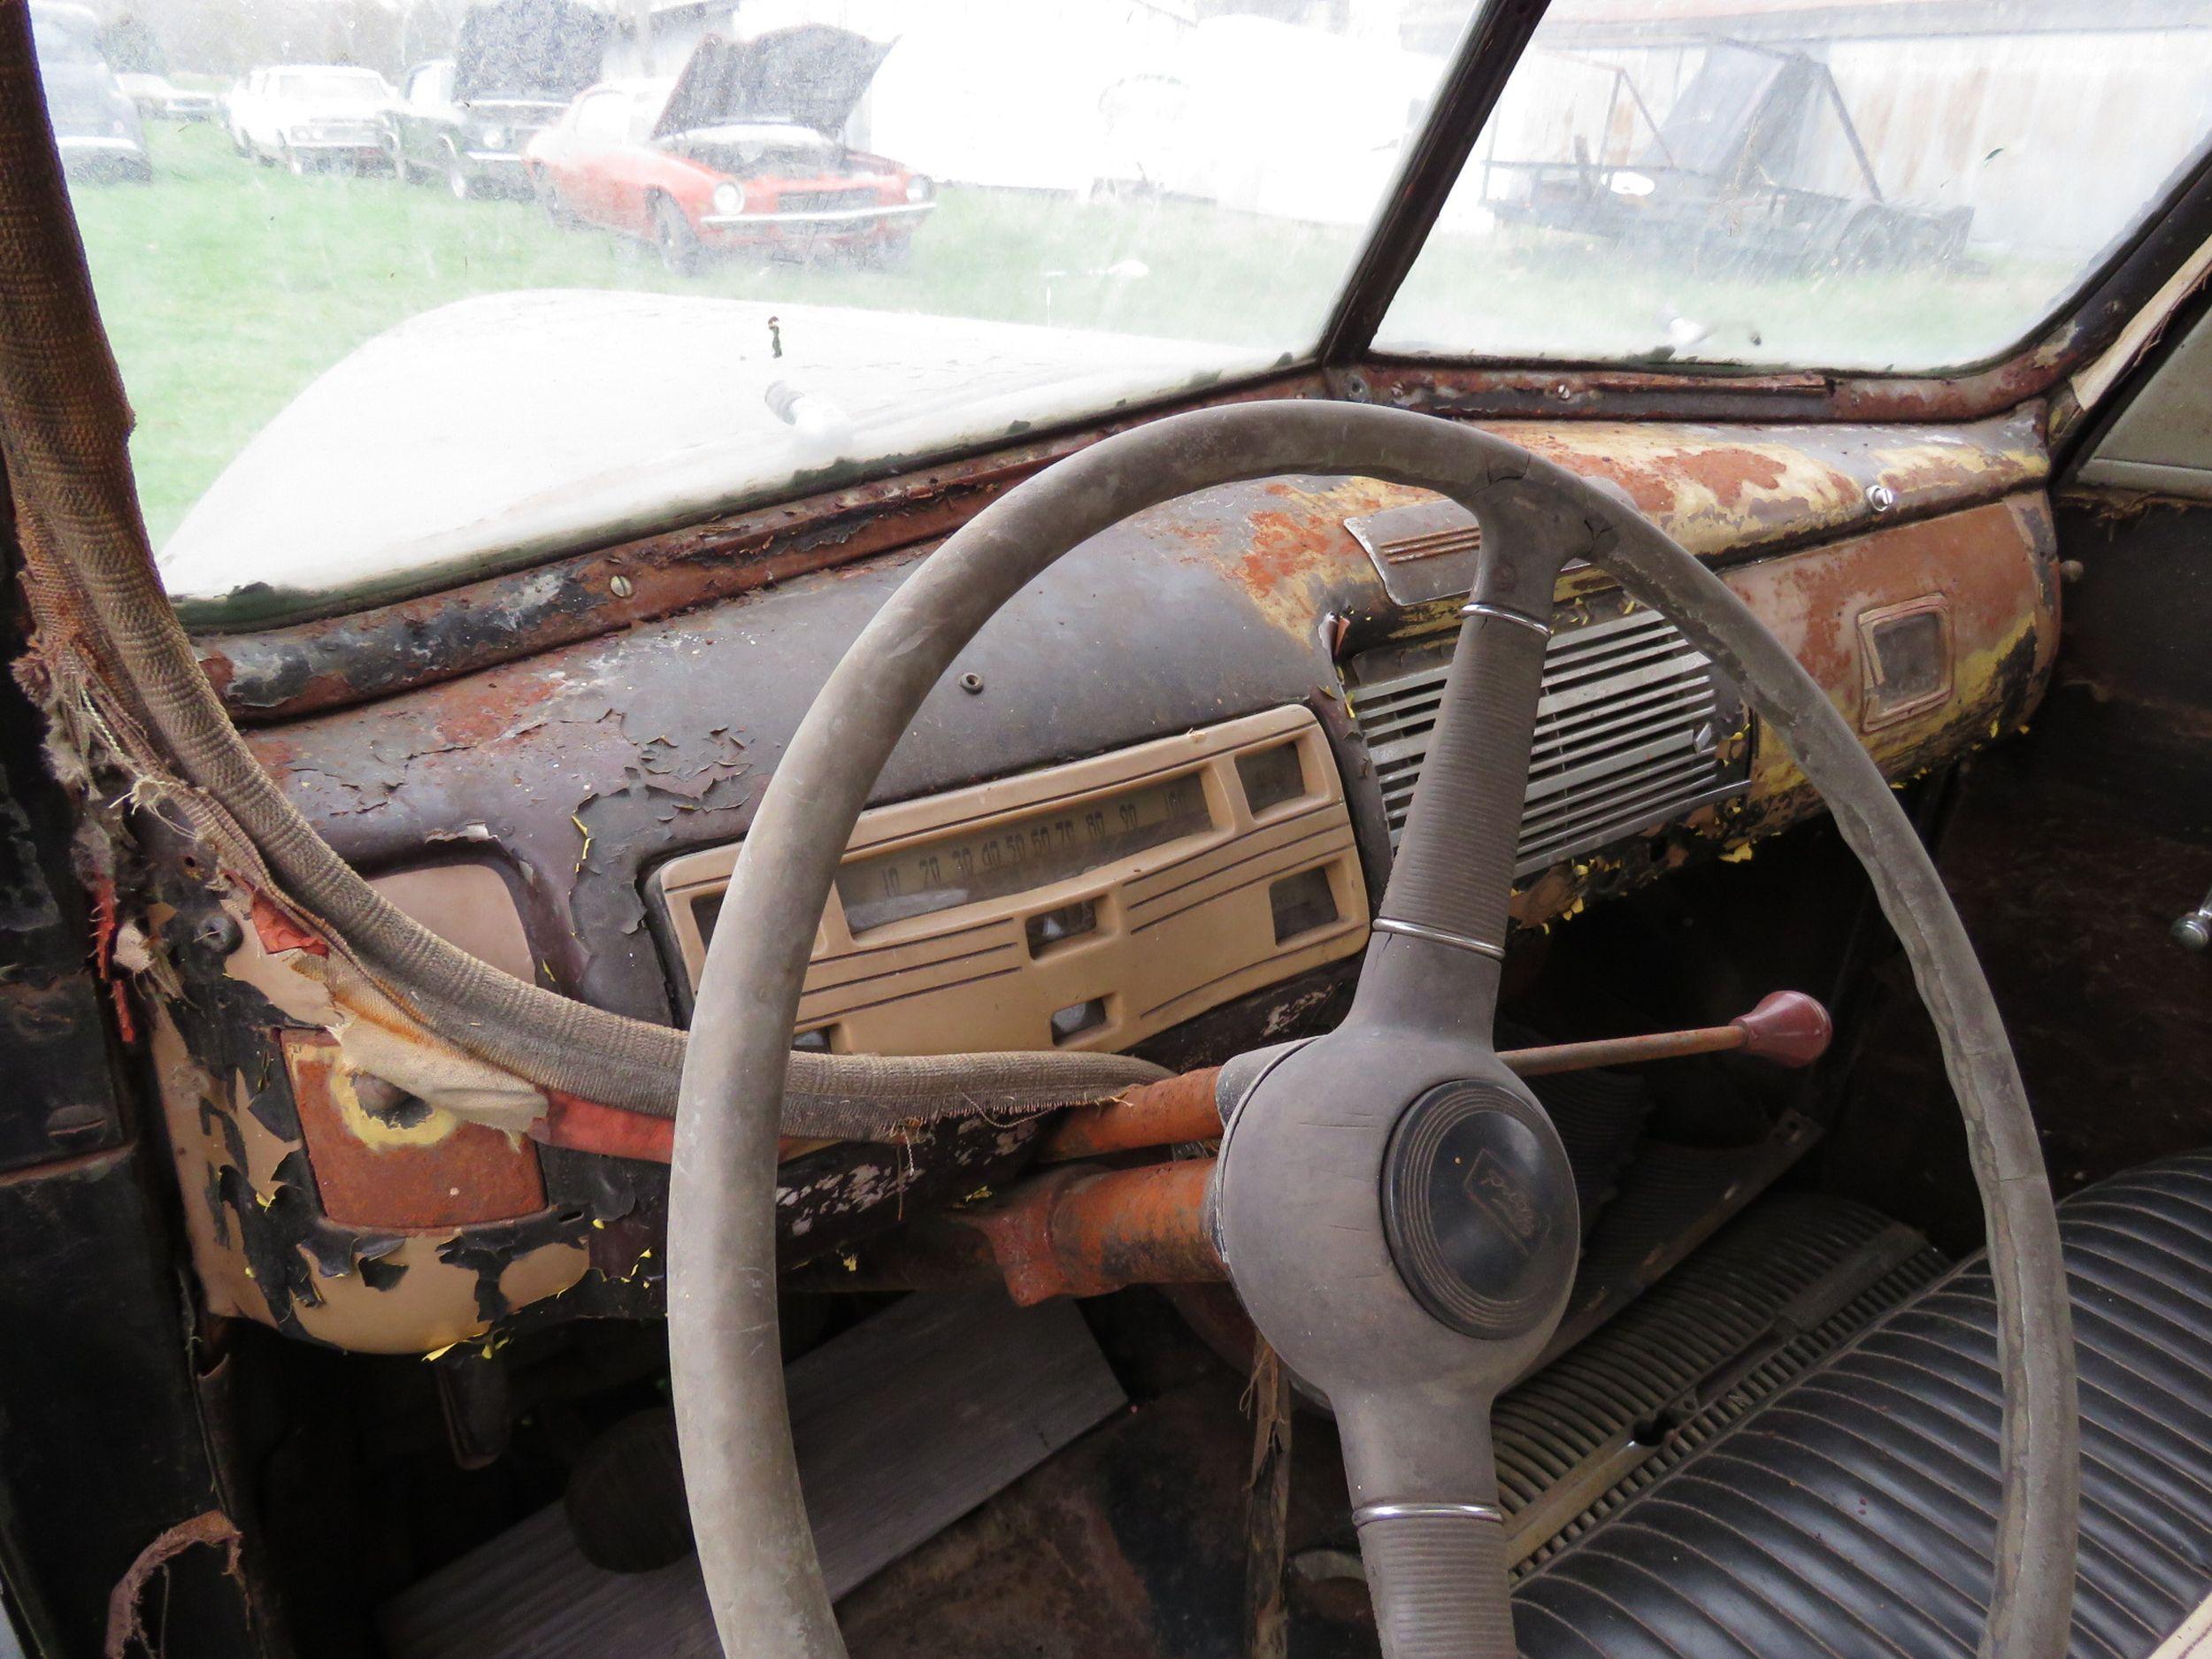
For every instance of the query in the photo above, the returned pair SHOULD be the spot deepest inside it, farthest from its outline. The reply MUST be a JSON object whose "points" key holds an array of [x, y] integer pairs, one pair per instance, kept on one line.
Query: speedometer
{"points": [[1017, 855]]}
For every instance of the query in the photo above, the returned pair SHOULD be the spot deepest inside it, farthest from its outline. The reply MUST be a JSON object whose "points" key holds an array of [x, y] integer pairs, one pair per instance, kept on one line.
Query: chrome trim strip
{"points": [[829, 215], [1417, 1512], [1477, 608], [1438, 936]]}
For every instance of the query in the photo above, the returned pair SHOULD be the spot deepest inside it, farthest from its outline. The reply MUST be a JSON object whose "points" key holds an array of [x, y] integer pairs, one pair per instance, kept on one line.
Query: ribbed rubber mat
{"points": [[1784, 1284], [1856, 1511]]}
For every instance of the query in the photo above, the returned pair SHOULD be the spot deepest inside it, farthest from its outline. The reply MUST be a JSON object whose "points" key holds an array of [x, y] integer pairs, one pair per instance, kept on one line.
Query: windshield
{"points": [[330, 85], [746, 254], [1903, 186], [866, 233]]}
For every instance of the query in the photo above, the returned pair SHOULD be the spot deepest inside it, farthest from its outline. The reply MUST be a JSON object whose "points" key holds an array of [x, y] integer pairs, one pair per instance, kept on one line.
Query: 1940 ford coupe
{"points": [[1303, 912]]}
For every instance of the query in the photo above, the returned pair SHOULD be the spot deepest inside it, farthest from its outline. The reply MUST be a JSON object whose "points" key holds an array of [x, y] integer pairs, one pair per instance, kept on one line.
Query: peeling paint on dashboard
{"points": [[1704, 482]]}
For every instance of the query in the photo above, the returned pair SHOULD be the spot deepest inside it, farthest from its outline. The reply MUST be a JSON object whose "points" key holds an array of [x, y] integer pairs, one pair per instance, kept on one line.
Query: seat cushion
{"points": [[1852, 1514]]}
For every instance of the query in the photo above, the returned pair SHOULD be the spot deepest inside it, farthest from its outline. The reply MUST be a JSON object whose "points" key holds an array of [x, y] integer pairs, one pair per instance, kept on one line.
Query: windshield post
{"points": [[1484, 61]]}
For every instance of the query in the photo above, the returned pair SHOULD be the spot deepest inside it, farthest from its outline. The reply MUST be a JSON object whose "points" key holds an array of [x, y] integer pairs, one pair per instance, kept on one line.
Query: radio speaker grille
{"points": [[1631, 730]]}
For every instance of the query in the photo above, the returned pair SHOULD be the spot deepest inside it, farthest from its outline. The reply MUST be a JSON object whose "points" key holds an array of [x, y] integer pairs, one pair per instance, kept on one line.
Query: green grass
{"points": [[227, 287], [1521, 292]]}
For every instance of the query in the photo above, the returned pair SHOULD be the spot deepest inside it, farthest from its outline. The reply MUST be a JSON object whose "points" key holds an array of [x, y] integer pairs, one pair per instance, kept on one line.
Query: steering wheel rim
{"points": [[749, 1517]]}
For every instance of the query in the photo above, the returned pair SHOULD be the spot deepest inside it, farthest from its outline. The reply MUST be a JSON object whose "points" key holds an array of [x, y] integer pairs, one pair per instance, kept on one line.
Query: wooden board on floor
{"points": [[902, 1425]]}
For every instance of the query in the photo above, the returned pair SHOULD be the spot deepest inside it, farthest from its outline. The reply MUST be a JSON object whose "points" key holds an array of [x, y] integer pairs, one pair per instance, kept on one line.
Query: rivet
{"points": [[621, 587], [971, 683]]}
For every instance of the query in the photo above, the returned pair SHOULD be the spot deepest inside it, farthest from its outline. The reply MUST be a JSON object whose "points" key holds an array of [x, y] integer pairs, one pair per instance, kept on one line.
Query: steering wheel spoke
{"points": [[1424, 1498], [1452, 880]]}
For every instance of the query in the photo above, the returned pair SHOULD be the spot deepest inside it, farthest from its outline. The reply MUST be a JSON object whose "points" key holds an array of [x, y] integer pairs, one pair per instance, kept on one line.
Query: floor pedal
{"points": [[902, 1425]]}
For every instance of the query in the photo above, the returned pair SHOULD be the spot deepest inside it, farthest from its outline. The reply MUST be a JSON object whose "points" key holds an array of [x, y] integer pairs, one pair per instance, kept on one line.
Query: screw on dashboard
{"points": [[77, 1124]]}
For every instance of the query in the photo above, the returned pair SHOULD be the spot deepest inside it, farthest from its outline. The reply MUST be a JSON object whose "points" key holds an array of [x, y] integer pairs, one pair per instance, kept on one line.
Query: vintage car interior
{"points": [[1415, 998]]}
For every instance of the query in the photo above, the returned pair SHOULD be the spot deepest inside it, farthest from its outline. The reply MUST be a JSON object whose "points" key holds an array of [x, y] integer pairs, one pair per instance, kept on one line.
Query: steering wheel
{"points": [[1395, 1208]]}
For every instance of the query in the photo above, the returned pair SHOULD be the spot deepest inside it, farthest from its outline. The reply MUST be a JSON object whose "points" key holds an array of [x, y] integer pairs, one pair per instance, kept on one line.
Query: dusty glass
{"points": [[377, 346], [1884, 186]]}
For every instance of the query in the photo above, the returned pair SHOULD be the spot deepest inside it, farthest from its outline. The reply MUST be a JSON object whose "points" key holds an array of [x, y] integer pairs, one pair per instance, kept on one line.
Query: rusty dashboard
{"points": [[1167, 778]]}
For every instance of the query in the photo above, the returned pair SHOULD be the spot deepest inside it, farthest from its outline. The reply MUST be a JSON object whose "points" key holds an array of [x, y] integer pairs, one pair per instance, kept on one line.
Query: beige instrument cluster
{"points": [[1082, 906]]}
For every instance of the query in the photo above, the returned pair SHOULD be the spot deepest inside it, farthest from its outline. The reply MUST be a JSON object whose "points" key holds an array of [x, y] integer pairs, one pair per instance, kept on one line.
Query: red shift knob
{"points": [[1788, 1028]]}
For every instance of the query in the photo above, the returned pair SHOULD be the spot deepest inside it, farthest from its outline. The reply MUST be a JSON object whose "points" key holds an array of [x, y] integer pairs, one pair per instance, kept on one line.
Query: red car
{"points": [[741, 151]]}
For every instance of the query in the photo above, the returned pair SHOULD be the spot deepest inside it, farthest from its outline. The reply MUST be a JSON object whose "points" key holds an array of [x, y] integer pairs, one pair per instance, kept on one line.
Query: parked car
{"points": [[743, 150], [466, 119], [304, 115], [96, 125], [159, 99]]}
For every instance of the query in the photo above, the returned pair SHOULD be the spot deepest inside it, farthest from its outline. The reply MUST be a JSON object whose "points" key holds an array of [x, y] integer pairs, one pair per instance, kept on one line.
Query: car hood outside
{"points": [[810, 75], [293, 106], [500, 430]]}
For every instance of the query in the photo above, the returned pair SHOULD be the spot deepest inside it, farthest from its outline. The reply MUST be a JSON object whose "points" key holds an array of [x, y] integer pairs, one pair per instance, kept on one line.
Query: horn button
{"points": [[1478, 1205], [1395, 1208]]}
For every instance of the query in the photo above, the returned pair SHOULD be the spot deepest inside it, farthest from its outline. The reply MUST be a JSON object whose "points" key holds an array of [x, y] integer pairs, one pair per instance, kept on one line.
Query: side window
{"points": [[422, 86]]}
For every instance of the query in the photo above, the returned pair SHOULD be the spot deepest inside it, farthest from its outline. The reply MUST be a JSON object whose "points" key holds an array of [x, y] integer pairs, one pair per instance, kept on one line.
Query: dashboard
{"points": [[1153, 805]]}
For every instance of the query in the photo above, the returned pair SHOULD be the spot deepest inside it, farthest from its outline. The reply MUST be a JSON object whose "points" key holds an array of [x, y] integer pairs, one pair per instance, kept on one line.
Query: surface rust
{"points": [[1074, 1231], [1176, 1109], [263, 1248], [622, 751], [302, 1213], [1997, 568], [338, 661], [1995, 565], [1081, 1232], [414, 1169], [1712, 486], [1571, 391]]}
